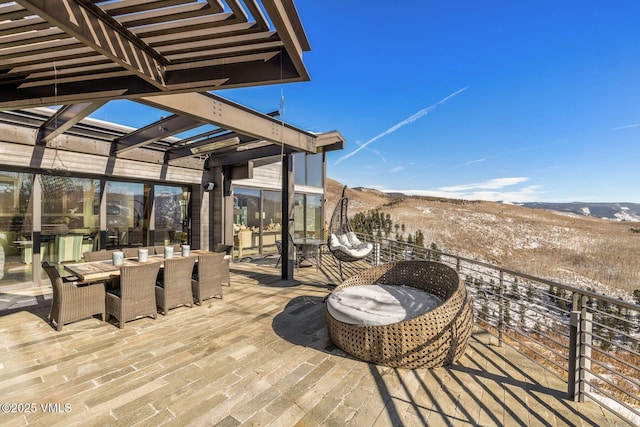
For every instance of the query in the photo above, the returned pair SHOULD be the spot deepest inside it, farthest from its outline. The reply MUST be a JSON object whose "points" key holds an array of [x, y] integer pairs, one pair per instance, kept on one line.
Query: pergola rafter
{"points": [[97, 30], [76, 51]]}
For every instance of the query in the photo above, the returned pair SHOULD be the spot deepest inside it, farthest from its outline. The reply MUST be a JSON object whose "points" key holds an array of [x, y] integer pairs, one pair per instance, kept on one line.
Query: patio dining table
{"points": [[102, 270], [309, 251]]}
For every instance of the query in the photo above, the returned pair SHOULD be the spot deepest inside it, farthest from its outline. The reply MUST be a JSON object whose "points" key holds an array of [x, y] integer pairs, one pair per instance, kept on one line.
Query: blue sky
{"points": [[493, 100]]}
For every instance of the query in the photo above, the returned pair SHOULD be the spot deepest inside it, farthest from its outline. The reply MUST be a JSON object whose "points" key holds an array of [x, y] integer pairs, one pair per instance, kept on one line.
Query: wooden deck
{"points": [[260, 356]]}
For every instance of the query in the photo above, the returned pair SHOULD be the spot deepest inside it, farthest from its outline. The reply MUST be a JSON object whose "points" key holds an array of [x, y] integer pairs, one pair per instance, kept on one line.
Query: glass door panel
{"points": [[69, 217], [16, 225], [127, 207], [246, 221], [313, 214], [272, 223], [171, 215]]}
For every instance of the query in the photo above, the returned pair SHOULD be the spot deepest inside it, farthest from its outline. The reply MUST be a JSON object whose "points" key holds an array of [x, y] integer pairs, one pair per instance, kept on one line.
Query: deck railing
{"points": [[590, 340]]}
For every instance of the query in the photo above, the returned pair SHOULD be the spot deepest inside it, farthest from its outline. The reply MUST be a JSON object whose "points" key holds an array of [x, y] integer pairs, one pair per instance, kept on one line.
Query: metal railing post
{"points": [[573, 382], [501, 308], [376, 253], [586, 327]]}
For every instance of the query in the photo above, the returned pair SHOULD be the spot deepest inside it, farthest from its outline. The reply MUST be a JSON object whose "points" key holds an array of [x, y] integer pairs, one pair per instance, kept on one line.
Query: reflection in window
{"points": [[272, 223], [307, 216], [298, 216], [126, 207], [314, 170], [16, 245], [246, 221], [69, 220], [299, 169], [314, 217], [171, 214], [308, 169]]}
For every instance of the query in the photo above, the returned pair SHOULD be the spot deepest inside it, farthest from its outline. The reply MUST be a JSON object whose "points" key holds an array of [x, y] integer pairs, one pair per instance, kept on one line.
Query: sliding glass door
{"points": [[171, 214], [16, 225]]}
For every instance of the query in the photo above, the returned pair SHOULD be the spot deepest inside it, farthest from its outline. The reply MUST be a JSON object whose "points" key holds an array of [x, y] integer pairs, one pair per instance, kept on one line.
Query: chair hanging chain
{"points": [[55, 123], [281, 111]]}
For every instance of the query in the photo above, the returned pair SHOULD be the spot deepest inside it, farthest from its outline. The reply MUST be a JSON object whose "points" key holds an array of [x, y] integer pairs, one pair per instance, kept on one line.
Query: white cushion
{"points": [[375, 305], [350, 244], [353, 240]]}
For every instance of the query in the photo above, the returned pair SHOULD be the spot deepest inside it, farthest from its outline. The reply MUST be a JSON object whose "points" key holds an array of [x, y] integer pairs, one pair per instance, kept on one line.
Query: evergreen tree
{"points": [[507, 313], [435, 252], [484, 310], [515, 290], [493, 287], [561, 299], [530, 293], [521, 312], [468, 281], [552, 294]]}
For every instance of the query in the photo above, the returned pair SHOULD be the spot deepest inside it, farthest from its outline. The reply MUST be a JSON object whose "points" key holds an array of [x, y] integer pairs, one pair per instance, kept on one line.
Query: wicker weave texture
{"points": [[177, 284], [436, 338], [137, 296], [210, 272], [98, 255], [73, 302]]}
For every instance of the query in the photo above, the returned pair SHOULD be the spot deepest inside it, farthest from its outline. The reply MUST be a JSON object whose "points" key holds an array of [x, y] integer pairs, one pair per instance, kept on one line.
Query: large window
{"points": [[69, 217], [16, 222], [246, 221], [257, 221], [308, 169], [308, 216], [315, 170], [272, 222], [313, 216], [171, 214], [127, 205]]}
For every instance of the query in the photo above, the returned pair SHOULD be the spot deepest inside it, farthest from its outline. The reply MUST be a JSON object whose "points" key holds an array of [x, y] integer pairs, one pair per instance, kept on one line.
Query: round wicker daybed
{"points": [[434, 338]]}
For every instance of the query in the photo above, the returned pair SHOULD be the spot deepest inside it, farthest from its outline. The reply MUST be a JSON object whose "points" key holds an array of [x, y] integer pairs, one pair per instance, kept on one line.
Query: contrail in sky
{"points": [[407, 121]]}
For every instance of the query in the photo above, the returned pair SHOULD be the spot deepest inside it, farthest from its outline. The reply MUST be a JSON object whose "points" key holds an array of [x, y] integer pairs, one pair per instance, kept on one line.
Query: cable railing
{"points": [[590, 340]]}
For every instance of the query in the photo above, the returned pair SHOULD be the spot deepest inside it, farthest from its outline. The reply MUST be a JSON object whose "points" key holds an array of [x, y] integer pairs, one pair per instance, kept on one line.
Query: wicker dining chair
{"points": [[72, 301], [227, 250], [130, 252], [226, 276], [136, 296], [97, 255], [208, 283], [175, 287]]}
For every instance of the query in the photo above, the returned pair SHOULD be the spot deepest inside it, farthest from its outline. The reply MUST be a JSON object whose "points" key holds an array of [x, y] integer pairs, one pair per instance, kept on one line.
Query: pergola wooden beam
{"points": [[96, 29], [216, 110], [327, 141], [65, 118], [163, 128]]}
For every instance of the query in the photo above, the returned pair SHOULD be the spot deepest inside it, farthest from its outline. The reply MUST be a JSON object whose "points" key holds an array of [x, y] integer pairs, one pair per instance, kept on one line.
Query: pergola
{"points": [[168, 54]]}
